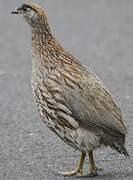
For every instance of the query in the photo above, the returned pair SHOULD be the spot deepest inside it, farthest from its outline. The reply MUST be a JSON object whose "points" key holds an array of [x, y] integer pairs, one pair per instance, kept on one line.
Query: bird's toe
{"points": [[76, 172]]}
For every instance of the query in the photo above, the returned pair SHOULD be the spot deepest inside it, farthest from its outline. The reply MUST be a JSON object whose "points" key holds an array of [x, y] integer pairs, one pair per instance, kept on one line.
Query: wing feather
{"points": [[93, 106]]}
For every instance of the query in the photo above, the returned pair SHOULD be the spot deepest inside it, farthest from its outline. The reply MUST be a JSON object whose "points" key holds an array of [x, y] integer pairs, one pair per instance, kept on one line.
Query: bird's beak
{"points": [[16, 11]]}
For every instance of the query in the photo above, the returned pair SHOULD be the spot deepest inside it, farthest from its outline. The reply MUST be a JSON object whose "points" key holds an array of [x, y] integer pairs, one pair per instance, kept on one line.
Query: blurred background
{"points": [[100, 35]]}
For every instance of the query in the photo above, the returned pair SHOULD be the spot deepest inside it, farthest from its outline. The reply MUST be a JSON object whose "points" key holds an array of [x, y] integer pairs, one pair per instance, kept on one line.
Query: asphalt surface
{"points": [[100, 34]]}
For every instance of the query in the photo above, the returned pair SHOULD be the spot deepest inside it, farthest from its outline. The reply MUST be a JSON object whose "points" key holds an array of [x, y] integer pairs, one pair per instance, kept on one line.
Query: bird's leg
{"points": [[78, 170], [93, 168]]}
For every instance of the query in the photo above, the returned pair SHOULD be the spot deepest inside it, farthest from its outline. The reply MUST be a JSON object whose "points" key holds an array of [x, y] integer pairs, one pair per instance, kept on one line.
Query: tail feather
{"points": [[121, 149], [115, 142]]}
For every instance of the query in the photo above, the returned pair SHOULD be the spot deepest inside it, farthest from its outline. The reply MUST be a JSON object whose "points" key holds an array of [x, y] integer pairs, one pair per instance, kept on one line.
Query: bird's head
{"points": [[31, 13]]}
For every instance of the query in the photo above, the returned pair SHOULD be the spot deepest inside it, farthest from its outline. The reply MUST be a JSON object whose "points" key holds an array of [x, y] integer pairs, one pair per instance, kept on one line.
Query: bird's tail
{"points": [[121, 149], [117, 143]]}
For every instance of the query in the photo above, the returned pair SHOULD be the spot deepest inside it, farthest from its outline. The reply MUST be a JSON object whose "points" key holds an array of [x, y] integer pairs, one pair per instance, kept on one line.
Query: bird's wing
{"points": [[92, 105]]}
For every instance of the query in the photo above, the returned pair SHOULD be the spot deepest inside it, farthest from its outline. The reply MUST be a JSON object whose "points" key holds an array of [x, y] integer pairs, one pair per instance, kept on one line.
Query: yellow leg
{"points": [[93, 169], [78, 170]]}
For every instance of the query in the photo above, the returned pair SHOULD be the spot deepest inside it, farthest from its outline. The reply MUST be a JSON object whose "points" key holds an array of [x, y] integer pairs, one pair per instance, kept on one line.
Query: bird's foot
{"points": [[93, 171], [77, 172], [92, 174]]}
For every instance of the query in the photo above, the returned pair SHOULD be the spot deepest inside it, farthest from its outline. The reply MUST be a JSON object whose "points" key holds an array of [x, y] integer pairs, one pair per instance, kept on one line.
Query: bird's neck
{"points": [[42, 30], [44, 44]]}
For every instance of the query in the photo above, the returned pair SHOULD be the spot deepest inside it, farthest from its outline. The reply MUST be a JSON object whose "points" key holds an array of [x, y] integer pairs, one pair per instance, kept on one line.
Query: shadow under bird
{"points": [[71, 99]]}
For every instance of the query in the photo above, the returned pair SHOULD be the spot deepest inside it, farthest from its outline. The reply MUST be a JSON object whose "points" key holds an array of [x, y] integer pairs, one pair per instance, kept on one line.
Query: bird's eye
{"points": [[26, 9]]}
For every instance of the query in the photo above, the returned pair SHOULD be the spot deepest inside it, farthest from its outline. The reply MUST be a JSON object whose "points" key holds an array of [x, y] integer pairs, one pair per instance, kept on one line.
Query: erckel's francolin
{"points": [[70, 98]]}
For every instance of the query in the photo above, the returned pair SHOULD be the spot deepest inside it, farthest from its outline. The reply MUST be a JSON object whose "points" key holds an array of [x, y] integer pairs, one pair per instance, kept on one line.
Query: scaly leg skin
{"points": [[78, 170], [93, 168]]}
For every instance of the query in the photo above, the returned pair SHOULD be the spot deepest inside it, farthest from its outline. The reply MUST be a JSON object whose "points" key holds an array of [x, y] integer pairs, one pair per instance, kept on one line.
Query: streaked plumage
{"points": [[70, 98]]}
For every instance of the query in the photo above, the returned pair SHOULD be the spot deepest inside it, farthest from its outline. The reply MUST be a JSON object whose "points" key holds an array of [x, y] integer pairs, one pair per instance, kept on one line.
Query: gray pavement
{"points": [[100, 34]]}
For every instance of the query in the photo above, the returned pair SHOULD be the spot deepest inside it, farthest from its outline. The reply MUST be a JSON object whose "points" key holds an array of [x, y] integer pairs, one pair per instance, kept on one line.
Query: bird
{"points": [[70, 98]]}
